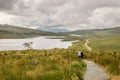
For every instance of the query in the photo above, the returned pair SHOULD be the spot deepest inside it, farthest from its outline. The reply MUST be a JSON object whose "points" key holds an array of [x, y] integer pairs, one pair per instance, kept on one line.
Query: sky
{"points": [[66, 14]]}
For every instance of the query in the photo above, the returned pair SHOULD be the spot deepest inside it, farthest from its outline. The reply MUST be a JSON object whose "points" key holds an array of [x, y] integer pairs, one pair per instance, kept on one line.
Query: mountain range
{"points": [[109, 32], [53, 29], [8, 31]]}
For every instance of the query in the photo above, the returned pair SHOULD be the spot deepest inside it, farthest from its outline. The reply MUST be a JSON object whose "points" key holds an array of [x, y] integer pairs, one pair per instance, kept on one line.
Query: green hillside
{"points": [[100, 39], [99, 32], [7, 31]]}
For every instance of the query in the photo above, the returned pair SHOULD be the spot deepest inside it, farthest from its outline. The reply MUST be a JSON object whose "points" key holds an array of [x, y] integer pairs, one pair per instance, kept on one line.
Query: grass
{"points": [[100, 33], [79, 45], [105, 52], [108, 59], [105, 43], [54, 64]]}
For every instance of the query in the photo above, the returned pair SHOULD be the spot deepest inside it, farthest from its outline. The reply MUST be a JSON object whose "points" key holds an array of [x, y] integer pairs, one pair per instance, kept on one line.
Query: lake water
{"points": [[38, 43]]}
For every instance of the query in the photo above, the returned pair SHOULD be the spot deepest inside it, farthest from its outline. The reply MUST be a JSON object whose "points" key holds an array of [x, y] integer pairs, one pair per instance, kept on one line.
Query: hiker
{"points": [[82, 55], [79, 54]]}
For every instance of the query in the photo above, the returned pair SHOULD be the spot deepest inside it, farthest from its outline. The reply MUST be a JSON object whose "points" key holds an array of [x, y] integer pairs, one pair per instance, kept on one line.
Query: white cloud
{"points": [[5, 18], [71, 14], [105, 17]]}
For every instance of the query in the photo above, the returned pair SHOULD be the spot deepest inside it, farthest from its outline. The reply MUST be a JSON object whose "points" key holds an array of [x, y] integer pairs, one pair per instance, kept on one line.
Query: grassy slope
{"points": [[109, 59], [105, 44], [7, 31], [99, 32], [107, 39], [54, 64], [101, 39], [112, 43]]}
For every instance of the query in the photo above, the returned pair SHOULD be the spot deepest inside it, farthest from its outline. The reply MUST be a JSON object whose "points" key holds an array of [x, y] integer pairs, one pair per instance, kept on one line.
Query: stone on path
{"points": [[94, 72]]}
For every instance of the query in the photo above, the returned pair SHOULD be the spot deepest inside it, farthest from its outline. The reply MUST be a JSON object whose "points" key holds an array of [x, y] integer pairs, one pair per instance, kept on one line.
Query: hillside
{"points": [[100, 39], [7, 31], [99, 32]]}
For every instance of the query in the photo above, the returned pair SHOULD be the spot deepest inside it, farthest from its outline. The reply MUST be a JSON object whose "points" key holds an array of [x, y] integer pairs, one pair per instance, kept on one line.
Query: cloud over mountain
{"points": [[71, 14]]}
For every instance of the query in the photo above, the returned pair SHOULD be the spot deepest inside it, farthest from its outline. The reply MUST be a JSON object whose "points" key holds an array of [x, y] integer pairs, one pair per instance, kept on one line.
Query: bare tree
{"points": [[28, 45]]}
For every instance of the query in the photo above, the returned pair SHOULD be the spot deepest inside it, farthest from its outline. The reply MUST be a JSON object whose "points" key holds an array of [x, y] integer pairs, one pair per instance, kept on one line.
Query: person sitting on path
{"points": [[82, 55], [79, 54]]}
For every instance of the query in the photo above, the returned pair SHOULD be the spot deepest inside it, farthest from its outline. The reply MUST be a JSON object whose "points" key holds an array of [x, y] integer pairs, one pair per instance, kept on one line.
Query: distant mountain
{"points": [[8, 31], [98, 32], [53, 29]]}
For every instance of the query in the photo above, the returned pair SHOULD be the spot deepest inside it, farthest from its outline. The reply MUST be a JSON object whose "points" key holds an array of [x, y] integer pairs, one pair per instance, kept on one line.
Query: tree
{"points": [[28, 45]]}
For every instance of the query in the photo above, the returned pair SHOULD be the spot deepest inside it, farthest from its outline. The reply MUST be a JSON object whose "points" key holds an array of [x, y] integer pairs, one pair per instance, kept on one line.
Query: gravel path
{"points": [[86, 44], [94, 72]]}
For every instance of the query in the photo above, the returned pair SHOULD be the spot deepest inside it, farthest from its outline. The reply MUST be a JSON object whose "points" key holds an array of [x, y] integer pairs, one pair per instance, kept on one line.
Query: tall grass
{"points": [[108, 59], [54, 64], [106, 52]]}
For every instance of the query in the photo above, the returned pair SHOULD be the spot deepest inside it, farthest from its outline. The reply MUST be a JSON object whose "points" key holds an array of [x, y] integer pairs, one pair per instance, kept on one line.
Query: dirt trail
{"points": [[94, 72], [86, 44]]}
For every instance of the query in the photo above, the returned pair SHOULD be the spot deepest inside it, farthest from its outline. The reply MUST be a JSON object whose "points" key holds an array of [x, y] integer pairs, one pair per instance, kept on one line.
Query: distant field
{"points": [[112, 43], [100, 39], [98, 32]]}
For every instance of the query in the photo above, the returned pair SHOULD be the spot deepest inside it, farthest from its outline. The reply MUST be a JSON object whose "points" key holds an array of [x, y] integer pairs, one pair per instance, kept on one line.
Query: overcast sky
{"points": [[69, 14]]}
